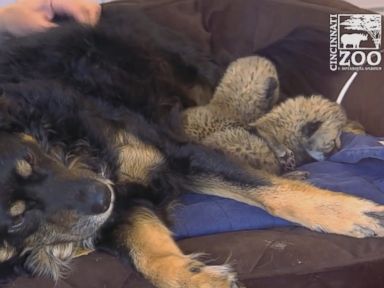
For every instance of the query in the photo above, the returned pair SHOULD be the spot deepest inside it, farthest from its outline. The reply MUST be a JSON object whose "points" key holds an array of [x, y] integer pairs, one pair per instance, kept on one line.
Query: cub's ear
{"points": [[271, 85], [310, 128]]}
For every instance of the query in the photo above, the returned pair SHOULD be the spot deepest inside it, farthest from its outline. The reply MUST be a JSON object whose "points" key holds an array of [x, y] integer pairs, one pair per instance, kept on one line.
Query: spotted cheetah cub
{"points": [[247, 91], [309, 127], [238, 122]]}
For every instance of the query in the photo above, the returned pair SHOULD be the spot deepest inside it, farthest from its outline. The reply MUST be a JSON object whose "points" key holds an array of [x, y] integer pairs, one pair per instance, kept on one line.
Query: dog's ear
{"points": [[310, 128]]}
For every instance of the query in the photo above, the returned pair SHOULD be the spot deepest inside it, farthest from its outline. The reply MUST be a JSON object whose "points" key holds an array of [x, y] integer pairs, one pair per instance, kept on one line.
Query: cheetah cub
{"points": [[239, 121], [247, 91], [309, 127]]}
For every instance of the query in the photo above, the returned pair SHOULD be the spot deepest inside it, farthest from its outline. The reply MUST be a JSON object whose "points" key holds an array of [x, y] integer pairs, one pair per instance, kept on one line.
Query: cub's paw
{"points": [[297, 175], [287, 160]]}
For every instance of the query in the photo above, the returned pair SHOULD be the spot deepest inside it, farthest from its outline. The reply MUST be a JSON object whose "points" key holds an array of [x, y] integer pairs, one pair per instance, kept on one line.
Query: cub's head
{"points": [[47, 209], [319, 134], [309, 126]]}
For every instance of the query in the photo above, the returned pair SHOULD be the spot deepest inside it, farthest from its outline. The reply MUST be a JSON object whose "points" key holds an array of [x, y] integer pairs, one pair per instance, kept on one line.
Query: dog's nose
{"points": [[98, 197]]}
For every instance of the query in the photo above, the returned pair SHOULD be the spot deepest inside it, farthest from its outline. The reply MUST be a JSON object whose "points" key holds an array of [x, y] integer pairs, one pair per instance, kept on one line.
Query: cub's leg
{"points": [[284, 155], [245, 147], [157, 257], [200, 122], [249, 89], [296, 175]]}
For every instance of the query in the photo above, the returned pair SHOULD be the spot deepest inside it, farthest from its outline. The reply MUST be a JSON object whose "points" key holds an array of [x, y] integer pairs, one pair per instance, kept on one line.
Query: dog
{"points": [[88, 156]]}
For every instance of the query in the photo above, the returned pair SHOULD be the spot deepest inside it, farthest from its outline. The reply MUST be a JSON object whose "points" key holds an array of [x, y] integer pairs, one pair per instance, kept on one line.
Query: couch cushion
{"points": [[265, 258]]}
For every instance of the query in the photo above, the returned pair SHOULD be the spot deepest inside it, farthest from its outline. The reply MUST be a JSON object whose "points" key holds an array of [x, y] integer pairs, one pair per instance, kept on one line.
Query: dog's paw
{"points": [[188, 272], [369, 222], [213, 277], [323, 210], [351, 216]]}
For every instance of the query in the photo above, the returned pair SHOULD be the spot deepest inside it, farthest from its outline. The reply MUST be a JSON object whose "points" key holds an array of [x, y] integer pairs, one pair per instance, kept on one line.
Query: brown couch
{"points": [[294, 33]]}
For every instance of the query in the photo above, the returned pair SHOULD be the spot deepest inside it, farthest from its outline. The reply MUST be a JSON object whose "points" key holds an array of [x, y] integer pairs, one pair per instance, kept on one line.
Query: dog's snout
{"points": [[97, 197]]}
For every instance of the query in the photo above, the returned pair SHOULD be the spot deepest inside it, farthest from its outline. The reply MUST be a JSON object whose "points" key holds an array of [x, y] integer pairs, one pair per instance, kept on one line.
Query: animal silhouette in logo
{"points": [[353, 39]]}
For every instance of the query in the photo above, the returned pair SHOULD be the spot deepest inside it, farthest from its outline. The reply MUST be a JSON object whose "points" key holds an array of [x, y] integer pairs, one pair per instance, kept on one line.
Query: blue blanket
{"points": [[358, 169]]}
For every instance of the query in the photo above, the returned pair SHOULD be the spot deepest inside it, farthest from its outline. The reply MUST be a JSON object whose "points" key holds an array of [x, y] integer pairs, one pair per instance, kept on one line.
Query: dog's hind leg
{"points": [[157, 257]]}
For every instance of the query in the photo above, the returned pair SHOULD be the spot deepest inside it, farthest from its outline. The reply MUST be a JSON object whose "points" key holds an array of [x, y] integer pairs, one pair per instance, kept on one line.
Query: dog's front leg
{"points": [[156, 255], [302, 203]]}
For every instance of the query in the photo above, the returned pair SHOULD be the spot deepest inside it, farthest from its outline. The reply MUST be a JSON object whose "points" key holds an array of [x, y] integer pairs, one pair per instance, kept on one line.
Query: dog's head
{"points": [[47, 208]]}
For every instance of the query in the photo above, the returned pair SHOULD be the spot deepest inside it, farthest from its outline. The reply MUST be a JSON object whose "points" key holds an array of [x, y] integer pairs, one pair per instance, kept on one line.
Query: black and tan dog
{"points": [[86, 150]]}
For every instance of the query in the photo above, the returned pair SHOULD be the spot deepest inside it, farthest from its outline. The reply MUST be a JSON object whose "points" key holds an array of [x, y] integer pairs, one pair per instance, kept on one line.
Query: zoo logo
{"points": [[355, 42]]}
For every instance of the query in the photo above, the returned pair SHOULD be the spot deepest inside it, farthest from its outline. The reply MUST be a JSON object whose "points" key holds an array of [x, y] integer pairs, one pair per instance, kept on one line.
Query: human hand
{"points": [[19, 20], [83, 11], [28, 16]]}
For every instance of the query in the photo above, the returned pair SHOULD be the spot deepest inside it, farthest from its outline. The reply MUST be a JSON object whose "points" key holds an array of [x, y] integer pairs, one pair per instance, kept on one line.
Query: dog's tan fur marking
{"points": [[6, 252], [137, 158], [156, 255], [23, 168], [17, 208], [27, 138]]}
